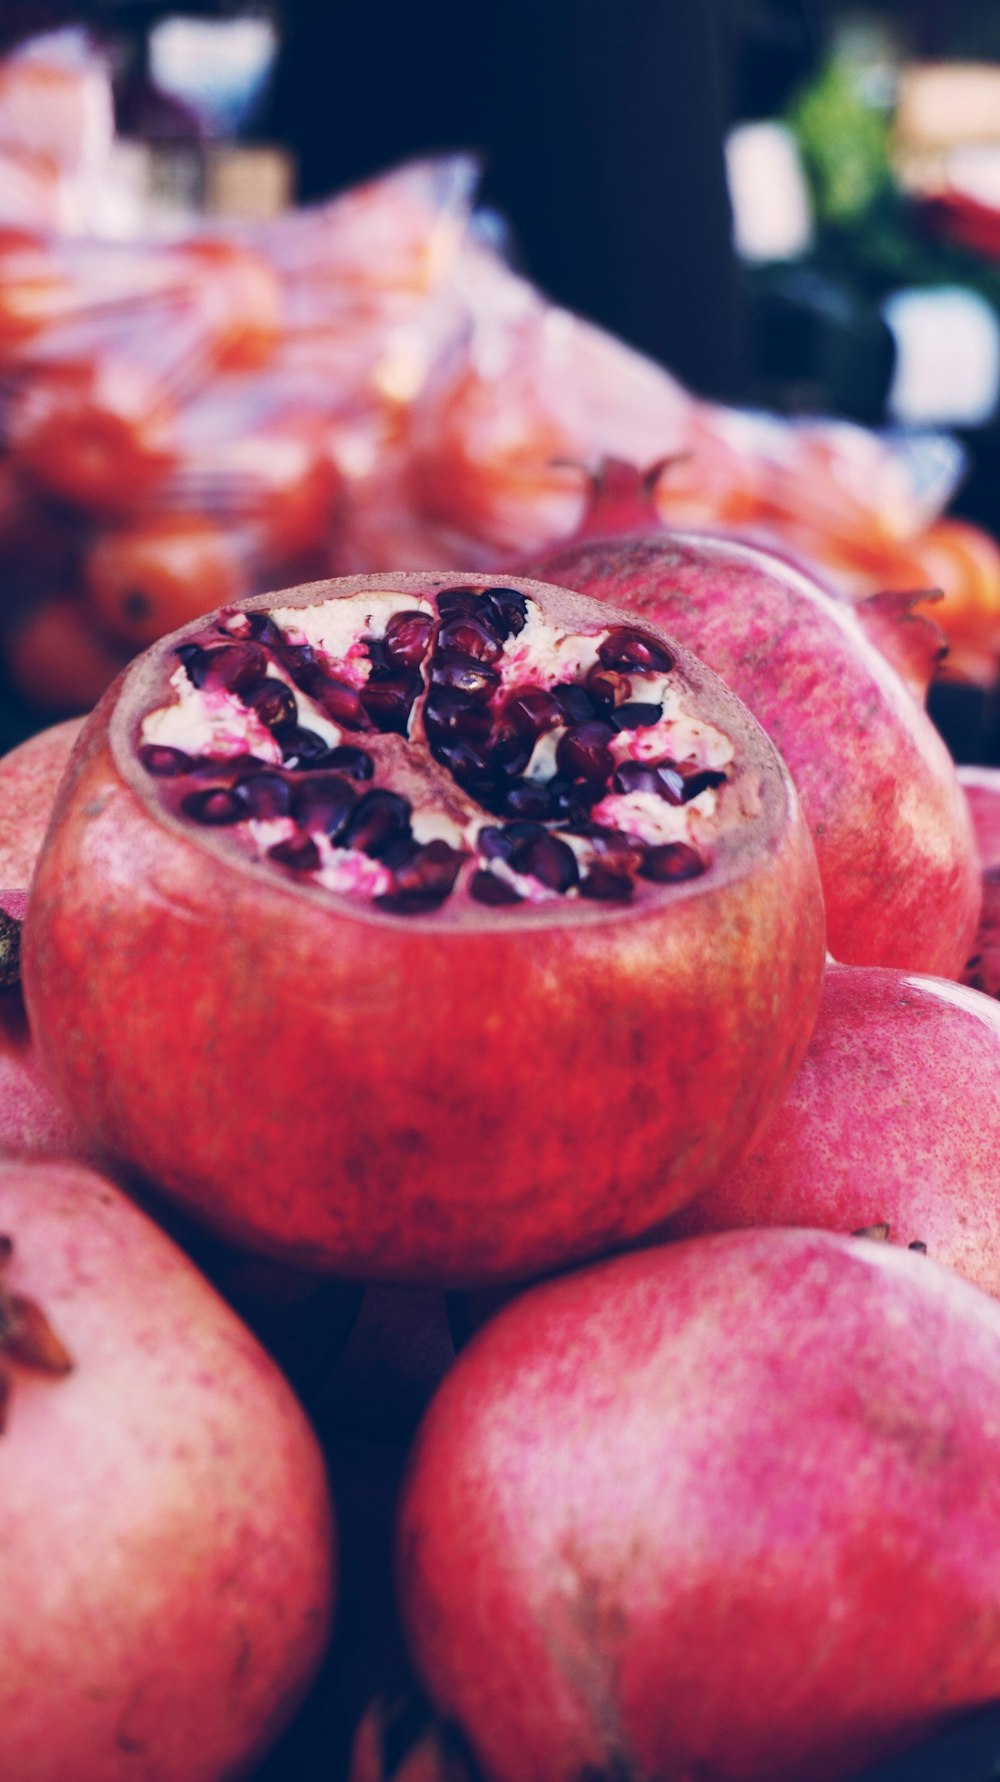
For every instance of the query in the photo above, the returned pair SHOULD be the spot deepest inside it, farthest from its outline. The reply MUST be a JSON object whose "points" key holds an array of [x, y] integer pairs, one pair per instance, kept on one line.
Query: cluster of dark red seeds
{"points": [[484, 736]]}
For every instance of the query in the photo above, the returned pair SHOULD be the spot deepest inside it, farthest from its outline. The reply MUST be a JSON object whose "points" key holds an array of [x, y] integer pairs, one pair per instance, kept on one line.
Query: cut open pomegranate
{"points": [[425, 927]]}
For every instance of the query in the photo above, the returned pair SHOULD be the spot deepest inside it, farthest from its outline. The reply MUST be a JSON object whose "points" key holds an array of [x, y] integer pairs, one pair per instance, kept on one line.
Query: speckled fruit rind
{"points": [[892, 1118], [167, 1530], [466, 1095], [725, 1508], [892, 830]]}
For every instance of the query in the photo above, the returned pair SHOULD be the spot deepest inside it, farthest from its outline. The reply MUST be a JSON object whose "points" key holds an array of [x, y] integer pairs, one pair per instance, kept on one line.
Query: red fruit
{"points": [[726, 1508], [167, 1536], [891, 828], [982, 789], [29, 776], [293, 951], [56, 660], [159, 572], [860, 1141]]}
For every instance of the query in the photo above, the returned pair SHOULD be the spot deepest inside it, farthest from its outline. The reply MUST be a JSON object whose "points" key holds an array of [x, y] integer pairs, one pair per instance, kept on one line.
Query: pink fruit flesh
{"points": [[892, 1119], [167, 1536], [405, 870], [726, 1508], [892, 830]]}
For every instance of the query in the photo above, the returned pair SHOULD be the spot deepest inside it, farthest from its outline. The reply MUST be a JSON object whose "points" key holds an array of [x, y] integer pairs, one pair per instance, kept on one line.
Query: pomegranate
{"points": [[878, 787], [362, 904], [727, 1508], [167, 1532], [982, 789], [29, 776], [859, 1142]]}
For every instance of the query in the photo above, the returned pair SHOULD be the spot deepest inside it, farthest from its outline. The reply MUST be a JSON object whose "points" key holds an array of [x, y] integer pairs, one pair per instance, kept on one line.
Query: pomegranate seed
{"points": [[605, 885], [526, 798], [463, 636], [165, 763], [625, 648], [549, 860], [462, 674], [465, 762], [423, 876], [301, 748], [265, 794], [485, 887], [574, 702], [273, 702], [671, 863], [607, 687], [531, 710], [303, 855], [407, 637], [637, 715], [324, 803], [494, 844], [448, 715], [700, 782], [214, 807], [638, 776], [465, 601], [264, 629], [379, 818], [508, 609], [388, 703], [583, 753], [342, 703]]}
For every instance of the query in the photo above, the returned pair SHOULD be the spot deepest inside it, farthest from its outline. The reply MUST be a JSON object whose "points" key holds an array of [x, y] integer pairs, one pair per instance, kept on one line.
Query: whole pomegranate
{"points": [[424, 928], [892, 1122], [167, 1530], [981, 786], [892, 831], [725, 1508], [29, 776]]}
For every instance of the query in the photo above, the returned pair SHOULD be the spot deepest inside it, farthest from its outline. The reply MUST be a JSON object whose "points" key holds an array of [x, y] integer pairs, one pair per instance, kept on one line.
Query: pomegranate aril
{"points": [[672, 862], [494, 844], [606, 686], [465, 636], [526, 798], [575, 704], [342, 703], [510, 752], [422, 876], [507, 609], [214, 807], [637, 714], [265, 794], [407, 638], [549, 860], [532, 711], [448, 715], [301, 748], [165, 763], [605, 885], [465, 762], [486, 887], [263, 628], [454, 601], [379, 819], [462, 674], [707, 777], [354, 762], [638, 776], [302, 855], [323, 803], [388, 703], [625, 648], [572, 799], [273, 702], [583, 754]]}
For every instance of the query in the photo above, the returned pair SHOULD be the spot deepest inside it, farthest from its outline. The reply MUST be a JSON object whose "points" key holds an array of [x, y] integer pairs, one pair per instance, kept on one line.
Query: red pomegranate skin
{"points": [[892, 830], [33, 1121], [892, 1118], [29, 776], [168, 1540], [728, 1508], [981, 786], [467, 1097]]}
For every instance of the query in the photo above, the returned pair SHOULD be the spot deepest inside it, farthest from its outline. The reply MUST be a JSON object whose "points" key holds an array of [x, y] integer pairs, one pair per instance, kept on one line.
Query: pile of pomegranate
{"points": [[506, 1068]]}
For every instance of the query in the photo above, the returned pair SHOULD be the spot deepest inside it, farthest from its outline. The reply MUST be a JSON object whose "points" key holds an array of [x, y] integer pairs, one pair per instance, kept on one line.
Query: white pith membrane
{"points": [[546, 830]]}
